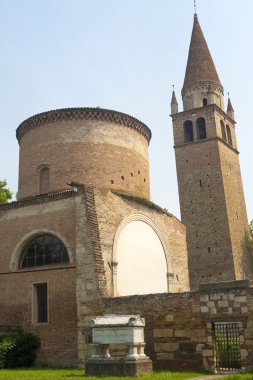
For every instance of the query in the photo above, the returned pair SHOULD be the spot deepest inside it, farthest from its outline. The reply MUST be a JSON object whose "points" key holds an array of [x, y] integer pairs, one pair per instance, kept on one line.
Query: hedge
{"points": [[18, 349]]}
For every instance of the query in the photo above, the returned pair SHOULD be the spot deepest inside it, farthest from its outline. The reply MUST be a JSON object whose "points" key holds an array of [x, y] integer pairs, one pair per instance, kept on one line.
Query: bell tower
{"points": [[208, 170]]}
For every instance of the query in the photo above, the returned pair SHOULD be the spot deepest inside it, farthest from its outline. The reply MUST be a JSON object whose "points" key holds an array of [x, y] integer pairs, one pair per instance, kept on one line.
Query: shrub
{"points": [[6, 345], [18, 349]]}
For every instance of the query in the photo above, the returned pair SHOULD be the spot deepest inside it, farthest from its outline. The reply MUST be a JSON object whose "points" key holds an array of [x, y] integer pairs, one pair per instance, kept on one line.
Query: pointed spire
{"points": [[173, 103], [200, 66], [230, 109]]}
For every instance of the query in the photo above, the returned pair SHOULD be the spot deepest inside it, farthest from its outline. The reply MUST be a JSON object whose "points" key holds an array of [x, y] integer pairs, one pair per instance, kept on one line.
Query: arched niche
{"points": [[140, 258], [44, 179]]}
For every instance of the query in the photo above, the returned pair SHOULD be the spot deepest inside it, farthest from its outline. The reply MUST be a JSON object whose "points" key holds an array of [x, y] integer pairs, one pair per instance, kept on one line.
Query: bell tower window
{"points": [[204, 102], [229, 135], [223, 131], [188, 131], [201, 128]]}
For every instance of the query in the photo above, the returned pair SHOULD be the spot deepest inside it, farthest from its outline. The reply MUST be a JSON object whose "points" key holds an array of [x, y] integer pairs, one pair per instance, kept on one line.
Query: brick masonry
{"points": [[107, 152], [212, 200], [86, 221], [59, 335], [179, 327]]}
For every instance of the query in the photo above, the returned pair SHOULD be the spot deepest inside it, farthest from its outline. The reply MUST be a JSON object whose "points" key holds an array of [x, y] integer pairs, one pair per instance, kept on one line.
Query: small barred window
{"points": [[44, 250]]}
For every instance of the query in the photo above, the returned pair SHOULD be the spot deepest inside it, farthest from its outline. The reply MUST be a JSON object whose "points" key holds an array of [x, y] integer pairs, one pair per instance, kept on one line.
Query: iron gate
{"points": [[227, 346]]}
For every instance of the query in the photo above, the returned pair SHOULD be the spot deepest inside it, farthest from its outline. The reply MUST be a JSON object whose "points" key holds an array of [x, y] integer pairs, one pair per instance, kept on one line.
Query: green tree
{"points": [[251, 232], [5, 193]]}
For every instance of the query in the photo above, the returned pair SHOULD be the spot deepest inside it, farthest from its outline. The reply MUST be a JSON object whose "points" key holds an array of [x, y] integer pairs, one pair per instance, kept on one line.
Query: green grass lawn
{"points": [[239, 376], [76, 374]]}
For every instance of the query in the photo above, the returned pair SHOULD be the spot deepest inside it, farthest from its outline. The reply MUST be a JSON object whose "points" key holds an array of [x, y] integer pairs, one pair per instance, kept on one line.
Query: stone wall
{"points": [[179, 327]]}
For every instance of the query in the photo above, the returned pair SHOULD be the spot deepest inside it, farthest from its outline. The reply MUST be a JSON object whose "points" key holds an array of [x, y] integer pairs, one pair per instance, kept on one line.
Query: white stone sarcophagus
{"points": [[120, 329], [114, 329]]}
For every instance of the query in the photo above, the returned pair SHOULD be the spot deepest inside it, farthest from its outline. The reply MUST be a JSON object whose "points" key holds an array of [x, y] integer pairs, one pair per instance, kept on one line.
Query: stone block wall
{"points": [[179, 330]]}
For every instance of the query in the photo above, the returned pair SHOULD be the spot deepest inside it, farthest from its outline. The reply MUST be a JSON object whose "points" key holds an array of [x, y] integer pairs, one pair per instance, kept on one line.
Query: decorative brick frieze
{"points": [[67, 114]]}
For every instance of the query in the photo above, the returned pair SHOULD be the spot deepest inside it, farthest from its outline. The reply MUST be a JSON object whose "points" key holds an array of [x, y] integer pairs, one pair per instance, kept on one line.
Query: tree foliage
{"points": [[5, 193]]}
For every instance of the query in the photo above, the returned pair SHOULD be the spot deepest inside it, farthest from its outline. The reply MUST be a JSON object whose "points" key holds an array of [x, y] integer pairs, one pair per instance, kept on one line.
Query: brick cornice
{"points": [[217, 138], [199, 110], [38, 199], [67, 114]]}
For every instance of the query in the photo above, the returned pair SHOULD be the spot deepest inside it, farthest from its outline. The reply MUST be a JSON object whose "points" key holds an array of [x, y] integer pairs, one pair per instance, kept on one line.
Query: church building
{"points": [[84, 239]]}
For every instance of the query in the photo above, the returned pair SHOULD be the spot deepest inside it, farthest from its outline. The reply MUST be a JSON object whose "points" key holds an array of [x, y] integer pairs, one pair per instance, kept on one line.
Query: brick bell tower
{"points": [[208, 170]]}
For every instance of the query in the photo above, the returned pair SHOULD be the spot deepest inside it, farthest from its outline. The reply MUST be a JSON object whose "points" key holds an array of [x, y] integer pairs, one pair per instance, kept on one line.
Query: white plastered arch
{"points": [[156, 230], [15, 257]]}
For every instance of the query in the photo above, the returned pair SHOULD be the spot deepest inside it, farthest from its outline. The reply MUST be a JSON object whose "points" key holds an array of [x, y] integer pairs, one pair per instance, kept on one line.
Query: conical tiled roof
{"points": [[200, 66]]}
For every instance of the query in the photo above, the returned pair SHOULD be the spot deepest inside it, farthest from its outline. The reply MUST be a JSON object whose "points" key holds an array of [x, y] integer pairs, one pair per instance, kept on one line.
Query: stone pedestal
{"points": [[121, 367]]}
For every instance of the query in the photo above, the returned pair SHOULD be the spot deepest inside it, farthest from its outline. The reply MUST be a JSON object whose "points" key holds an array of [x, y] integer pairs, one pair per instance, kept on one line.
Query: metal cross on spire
{"points": [[195, 6]]}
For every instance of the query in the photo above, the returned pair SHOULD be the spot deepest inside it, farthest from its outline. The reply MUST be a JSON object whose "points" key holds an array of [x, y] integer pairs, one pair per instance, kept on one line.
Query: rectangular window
{"points": [[40, 301]]}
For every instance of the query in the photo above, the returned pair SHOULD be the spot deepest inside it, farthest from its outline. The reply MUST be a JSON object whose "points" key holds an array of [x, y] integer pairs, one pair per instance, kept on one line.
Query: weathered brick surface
{"points": [[187, 339], [91, 151], [212, 201], [179, 326], [113, 208], [59, 336]]}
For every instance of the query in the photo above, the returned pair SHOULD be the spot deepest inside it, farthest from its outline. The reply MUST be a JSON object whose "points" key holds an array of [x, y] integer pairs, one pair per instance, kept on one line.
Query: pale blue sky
{"points": [[122, 55]]}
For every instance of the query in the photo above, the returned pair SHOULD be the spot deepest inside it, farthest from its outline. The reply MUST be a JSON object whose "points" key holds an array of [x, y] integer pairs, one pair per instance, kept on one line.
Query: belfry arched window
{"points": [[223, 131], [229, 135], [44, 179], [201, 128], [188, 131], [44, 250]]}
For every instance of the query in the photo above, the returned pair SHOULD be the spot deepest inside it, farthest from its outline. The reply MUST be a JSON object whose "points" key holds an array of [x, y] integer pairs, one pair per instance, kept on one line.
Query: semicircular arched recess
{"points": [[141, 258]]}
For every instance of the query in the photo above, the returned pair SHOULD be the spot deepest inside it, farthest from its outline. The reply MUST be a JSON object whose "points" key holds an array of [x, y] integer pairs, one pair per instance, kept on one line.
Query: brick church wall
{"points": [[112, 208], [59, 336]]}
